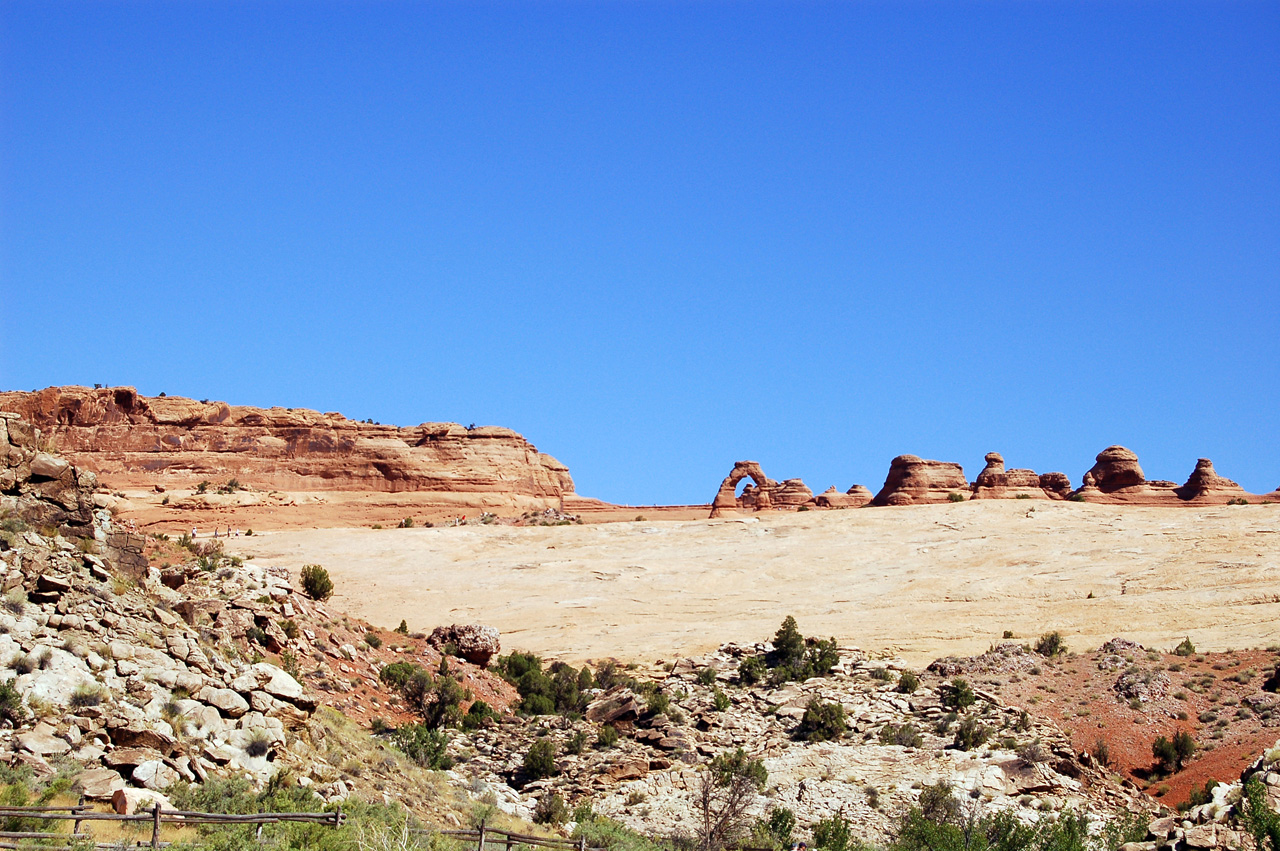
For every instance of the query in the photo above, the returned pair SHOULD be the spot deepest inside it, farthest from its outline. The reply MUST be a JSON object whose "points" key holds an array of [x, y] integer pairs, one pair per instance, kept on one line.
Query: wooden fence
{"points": [[484, 836], [156, 817]]}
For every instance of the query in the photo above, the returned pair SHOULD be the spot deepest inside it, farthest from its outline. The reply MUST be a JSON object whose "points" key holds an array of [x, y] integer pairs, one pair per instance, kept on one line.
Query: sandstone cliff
{"points": [[132, 440]]}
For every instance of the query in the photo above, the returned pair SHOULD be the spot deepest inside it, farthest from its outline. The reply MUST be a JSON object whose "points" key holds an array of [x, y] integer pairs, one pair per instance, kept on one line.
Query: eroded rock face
{"points": [[915, 481], [134, 440], [43, 490], [1116, 468], [1205, 484]]}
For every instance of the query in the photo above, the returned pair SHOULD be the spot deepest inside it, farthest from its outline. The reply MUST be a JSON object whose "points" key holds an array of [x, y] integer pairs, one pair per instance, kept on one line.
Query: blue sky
{"points": [[657, 238]]}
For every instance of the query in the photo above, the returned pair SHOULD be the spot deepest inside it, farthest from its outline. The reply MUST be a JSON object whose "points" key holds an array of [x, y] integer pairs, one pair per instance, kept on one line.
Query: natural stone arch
{"points": [[726, 496]]}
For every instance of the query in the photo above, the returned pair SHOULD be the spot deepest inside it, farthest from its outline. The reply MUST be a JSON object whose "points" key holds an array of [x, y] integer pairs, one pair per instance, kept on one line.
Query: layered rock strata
{"points": [[134, 440], [915, 481]]}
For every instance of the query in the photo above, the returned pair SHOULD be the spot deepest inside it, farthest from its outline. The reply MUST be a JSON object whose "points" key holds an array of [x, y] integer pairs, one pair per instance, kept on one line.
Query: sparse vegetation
{"points": [[1051, 645], [316, 582]]}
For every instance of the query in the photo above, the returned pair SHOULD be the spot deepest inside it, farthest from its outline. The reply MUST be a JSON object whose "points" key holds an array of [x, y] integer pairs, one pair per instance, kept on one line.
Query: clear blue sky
{"points": [[657, 238]]}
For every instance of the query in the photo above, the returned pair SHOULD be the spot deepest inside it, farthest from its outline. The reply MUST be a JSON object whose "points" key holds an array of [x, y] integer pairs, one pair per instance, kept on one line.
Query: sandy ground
{"points": [[919, 581]]}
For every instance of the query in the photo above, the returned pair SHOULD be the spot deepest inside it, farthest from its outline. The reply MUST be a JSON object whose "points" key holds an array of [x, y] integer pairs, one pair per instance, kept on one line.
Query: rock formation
{"points": [[41, 489], [133, 440], [914, 481], [1206, 485], [1116, 478], [855, 497], [995, 482], [765, 493], [473, 642]]}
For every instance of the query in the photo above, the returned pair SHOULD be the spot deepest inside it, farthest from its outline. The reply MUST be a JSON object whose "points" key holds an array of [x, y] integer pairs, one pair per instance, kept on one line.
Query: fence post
{"points": [[582, 843], [79, 809], [258, 833], [480, 847], [155, 825]]}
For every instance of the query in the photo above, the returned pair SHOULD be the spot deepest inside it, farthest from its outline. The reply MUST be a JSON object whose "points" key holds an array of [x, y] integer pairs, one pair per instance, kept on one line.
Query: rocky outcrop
{"points": [[1117, 478], [995, 482], [41, 489], [473, 642], [762, 494], [1206, 485], [914, 481], [1116, 469], [134, 440], [855, 497]]}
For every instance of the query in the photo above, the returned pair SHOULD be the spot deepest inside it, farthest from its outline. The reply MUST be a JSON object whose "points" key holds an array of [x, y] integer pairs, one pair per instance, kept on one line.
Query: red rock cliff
{"points": [[130, 439]]}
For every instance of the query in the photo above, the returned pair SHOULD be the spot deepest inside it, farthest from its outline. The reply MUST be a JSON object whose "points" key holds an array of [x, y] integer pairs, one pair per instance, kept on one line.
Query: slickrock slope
{"points": [[133, 440]]}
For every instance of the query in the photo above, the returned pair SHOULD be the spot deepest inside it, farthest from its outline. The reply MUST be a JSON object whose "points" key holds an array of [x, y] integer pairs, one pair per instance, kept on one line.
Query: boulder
{"points": [[127, 759], [913, 480], [99, 784], [155, 774], [617, 704], [228, 701], [42, 742], [263, 676], [476, 643], [46, 466], [128, 801]]}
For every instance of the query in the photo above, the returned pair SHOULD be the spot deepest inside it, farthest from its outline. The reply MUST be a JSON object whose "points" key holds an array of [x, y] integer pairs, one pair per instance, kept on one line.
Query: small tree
{"points": [[724, 794], [316, 582], [540, 760], [788, 643], [908, 682], [958, 695]]}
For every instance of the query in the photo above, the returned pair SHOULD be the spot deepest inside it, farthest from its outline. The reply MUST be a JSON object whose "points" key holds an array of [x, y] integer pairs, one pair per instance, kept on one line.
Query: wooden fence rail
{"points": [[484, 836], [156, 817]]}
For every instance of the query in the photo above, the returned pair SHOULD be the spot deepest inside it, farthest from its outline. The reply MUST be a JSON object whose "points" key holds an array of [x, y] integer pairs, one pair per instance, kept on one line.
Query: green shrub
{"points": [[257, 635], [1172, 753], [11, 708], [1186, 648], [403, 628], [775, 829], [721, 700], [290, 629], [373, 640], [659, 703], [316, 582], [425, 746], [1050, 645], [550, 809], [1262, 823], [955, 497], [833, 834], [821, 722], [881, 674], [908, 682], [479, 714], [958, 695], [751, 670], [970, 734], [607, 737], [406, 523], [905, 735], [707, 676], [727, 766], [540, 760]]}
